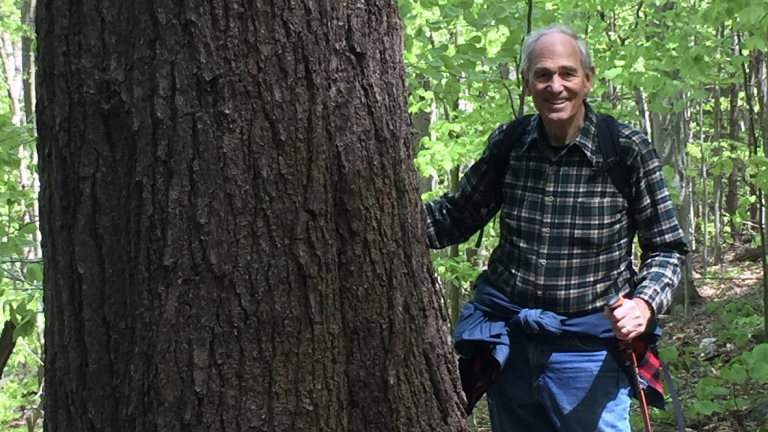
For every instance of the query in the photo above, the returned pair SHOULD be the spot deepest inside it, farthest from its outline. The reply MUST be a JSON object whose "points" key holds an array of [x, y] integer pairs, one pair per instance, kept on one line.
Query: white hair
{"points": [[531, 39]]}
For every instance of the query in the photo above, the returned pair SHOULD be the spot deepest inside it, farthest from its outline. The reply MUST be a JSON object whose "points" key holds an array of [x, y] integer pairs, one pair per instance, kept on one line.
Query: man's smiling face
{"points": [[556, 79]]}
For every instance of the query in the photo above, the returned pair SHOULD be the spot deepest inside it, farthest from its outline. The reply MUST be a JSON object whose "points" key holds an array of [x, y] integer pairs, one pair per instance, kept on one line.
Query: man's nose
{"points": [[555, 84]]}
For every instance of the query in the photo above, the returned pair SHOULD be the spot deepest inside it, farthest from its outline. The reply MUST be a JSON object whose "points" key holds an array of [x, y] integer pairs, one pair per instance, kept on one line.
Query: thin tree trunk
{"points": [[762, 101], [642, 109], [28, 63], [13, 86], [717, 181], [528, 29], [750, 120], [732, 195], [232, 234], [705, 196]]}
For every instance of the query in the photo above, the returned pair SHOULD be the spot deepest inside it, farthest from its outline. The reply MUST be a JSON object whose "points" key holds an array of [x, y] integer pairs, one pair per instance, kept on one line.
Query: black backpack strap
{"points": [[614, 164], [511, 137], [513, 133]]}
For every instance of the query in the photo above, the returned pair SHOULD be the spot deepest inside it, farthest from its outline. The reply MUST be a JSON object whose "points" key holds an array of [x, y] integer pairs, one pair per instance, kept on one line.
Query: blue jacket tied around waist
{"points": [[481, 336]]}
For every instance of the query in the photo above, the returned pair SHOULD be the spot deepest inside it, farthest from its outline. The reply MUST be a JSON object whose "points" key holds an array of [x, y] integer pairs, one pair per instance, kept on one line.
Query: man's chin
{"points": [[558, 116]]}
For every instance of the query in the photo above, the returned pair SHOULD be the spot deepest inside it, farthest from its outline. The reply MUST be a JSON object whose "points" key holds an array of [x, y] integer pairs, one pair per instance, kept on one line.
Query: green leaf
{"points": [[668, 354], [761, 352], [8, 249], [464, 4], [734, 373], [679, 105], [612, 73], [659, 107], [29, 228], [699, 94], [704, 388], [759, 371], [26, 326], [34, 272], [511, 46], [668, 172], [704, 406], [742, 337], [451, 11], [500, 11], [405, 7]]}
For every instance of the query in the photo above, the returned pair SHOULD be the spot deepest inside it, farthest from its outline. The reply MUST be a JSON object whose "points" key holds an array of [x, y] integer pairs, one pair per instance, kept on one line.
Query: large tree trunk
{"points": [[231, 228]]}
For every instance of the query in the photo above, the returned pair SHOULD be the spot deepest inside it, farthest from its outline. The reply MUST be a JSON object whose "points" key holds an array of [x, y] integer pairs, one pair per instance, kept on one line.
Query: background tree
{"points": [[232, 235]]}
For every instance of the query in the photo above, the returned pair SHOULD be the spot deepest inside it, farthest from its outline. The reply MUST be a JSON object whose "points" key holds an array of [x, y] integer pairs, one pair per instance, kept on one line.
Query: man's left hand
{"points": [[629, 320]]}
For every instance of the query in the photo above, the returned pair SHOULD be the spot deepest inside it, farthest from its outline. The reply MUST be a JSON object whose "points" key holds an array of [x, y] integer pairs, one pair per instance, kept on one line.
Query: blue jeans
{"points": [[564, 383]]}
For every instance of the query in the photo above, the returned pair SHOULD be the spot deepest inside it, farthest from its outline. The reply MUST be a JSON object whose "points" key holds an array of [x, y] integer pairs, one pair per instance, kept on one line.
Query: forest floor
{"points": [[734, 283]]}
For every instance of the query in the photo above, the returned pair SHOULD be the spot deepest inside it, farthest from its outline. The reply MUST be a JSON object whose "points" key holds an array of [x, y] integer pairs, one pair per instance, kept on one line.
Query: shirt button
{"points": [[543, 262], [549, 199], [539, 293], [553, 169], [547, 230]]}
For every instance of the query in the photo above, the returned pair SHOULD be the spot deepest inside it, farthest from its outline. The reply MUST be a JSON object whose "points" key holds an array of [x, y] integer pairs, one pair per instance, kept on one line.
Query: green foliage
{"points": [[738, 322], [719, 392]]}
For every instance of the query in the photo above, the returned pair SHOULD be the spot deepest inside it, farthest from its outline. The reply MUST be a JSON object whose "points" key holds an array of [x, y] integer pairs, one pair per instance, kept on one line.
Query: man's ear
{"points": [[526, 83], [589, 75]]}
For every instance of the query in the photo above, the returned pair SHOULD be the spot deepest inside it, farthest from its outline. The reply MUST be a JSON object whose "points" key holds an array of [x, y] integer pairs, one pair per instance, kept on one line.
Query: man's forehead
{"points": [[565, 67], [556, 50]]}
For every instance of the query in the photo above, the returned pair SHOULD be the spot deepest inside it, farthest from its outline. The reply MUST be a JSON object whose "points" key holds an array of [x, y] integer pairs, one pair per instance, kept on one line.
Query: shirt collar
{"points": [[587, 139]]}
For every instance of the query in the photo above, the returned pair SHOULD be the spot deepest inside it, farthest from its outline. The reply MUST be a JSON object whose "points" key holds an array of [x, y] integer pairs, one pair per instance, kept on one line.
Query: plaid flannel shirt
{"points": [[564, 225]]}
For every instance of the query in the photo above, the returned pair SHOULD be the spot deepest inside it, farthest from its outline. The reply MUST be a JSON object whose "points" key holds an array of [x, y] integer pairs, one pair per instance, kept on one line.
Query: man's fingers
{"points": [[618, 314], [627, 321], [628, 327]]}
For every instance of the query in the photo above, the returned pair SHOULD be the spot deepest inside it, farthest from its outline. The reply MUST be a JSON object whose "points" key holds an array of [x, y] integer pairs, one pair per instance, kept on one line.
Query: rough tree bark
{"points": [[231, 226]]}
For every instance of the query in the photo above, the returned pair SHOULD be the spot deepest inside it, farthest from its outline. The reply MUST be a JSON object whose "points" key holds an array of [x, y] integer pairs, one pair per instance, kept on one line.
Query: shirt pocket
{"points": [[597, 222]]}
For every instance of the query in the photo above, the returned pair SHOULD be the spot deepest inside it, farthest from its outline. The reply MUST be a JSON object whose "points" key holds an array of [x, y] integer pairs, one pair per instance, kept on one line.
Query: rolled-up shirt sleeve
{"points": [[661, 239], [454, 218]]}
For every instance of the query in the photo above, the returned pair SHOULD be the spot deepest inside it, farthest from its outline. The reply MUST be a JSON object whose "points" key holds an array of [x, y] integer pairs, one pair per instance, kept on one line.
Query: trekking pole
{"points": [[626, 346]]}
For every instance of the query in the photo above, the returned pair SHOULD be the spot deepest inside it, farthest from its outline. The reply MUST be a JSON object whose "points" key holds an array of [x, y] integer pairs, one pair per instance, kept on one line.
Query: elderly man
{"points": [[565, 233]]}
